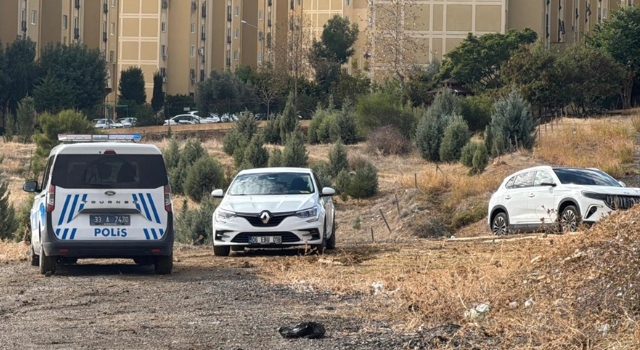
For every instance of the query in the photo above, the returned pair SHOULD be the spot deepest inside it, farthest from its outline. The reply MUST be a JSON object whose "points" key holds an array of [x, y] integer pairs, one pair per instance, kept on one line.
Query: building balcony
{"points": [[228, 39], [24, 26], [203, 36], [105, 8], [104, 36], [204, 10], [77, 4], [76, 33]]}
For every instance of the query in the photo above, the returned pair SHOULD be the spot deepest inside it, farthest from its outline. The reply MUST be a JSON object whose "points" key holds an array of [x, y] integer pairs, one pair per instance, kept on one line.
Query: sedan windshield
{"points": [[590, 177], [271, 184]]}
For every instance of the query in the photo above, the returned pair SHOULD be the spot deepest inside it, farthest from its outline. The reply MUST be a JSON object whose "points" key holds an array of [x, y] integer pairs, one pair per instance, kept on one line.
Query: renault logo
{"points": [[265, 217]]}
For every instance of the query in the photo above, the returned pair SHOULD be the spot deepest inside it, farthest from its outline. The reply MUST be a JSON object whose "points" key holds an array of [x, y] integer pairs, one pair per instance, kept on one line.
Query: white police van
{"points": [[102, 196]]}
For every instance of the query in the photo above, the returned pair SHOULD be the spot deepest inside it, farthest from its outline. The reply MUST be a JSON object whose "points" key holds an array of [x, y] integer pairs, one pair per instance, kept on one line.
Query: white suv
{"points": [[556, 196], [274, 208], [100, 197]]}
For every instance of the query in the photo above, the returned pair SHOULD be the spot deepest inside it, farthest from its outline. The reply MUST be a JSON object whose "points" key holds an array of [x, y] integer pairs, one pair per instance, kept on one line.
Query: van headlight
{"points": [[223, 215], [310, 214]]}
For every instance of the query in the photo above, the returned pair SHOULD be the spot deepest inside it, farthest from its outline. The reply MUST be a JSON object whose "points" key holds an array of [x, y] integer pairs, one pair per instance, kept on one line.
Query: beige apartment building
{"points": [[20, 18]]}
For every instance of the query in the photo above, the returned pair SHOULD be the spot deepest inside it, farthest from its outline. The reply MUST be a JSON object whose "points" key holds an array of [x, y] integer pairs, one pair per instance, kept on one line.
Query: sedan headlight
{"points": [[223, 215], [311, 214]]}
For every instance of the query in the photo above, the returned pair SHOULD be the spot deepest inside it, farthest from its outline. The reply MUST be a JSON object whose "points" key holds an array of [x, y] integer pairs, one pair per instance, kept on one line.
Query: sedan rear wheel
{"points": [[500, 224]]}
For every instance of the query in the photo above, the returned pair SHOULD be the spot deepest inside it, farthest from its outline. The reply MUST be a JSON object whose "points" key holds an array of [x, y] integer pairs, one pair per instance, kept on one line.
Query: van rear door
{"points": [[110, 196]]}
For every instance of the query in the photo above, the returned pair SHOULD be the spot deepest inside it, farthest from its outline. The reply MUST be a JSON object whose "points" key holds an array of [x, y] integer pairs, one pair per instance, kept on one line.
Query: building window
{"points": [[260, 35], [299, 2], [163, 27], [65, 21], [163, 51], [260, 15], [23, 15], [193, 51], [235, 55], [193, 27], [113, 3], [259, 57], [34, 17], [236, 33], [112, 56], [348, 2], [163, 72], [112, 28], [76, 23], [104, 26], [237, 11]]}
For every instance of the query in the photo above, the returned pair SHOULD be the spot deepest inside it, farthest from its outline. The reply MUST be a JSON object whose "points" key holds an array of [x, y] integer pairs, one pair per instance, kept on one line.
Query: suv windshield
{"points": [[109, 171], [271, 184], [585, 177]]}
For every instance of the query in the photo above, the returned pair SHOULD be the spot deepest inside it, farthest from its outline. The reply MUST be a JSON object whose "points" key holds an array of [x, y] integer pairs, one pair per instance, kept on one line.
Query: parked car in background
{"points": [[212, 118], [274, 208], [182, 119], [106, 124], [560, 197], [128, 122], [226, 118]]}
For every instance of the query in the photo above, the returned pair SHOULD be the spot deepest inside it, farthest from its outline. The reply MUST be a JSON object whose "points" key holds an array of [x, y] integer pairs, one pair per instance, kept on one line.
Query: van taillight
{"points": [[51, 199], [167, 199]]}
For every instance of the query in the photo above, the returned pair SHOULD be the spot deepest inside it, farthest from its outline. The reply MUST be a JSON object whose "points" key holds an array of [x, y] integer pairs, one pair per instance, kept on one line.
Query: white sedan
{"points": [[106, 124], [183, 119], [274, 208]]}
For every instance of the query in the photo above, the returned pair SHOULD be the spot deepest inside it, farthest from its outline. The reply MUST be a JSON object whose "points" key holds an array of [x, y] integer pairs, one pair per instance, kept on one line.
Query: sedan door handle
{"points": [[507, 197], [531, 195]]}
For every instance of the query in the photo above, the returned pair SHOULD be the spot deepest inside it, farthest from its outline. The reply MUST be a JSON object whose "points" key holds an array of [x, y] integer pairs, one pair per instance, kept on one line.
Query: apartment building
{"points": [[20, 18]]}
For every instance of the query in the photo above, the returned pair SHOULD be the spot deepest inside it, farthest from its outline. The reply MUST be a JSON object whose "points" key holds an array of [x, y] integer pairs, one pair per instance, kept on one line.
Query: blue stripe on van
{"points": [[153, 231], [135, 200], [73, 208], [73, 232], [84, 200], [161, 232], [64, 209], [58, 232], [64, 234], [144, 205], [146, 233], [153, 207]]}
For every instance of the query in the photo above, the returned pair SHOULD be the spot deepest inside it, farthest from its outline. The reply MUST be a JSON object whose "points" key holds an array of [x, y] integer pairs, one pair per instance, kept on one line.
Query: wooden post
{"points": [[372, 239], [415, 179], [397, 203], [385, 220]]}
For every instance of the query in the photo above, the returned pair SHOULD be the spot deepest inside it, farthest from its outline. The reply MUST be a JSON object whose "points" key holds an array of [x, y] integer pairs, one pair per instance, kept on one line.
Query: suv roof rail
{"points": [[71, 138]]}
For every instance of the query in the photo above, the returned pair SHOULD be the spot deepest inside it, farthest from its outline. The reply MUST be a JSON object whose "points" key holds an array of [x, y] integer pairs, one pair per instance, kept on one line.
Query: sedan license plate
{"points": [[265, 240], [110, 220]]}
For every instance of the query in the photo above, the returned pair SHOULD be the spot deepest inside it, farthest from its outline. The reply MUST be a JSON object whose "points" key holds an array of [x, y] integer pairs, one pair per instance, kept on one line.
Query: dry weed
{"points": [[11, 251]]}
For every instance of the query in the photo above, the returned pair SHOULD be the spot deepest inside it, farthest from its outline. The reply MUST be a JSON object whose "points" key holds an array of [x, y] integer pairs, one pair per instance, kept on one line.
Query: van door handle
{"points": [[507, 197], [531, 195]]}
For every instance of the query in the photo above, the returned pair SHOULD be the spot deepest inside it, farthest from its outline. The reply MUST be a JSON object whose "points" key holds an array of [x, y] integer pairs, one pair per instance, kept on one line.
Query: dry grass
{"points": [[607, 144], [11, 251]]}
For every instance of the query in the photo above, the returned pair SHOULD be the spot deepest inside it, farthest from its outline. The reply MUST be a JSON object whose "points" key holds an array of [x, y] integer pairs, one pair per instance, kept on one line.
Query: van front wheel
{"points": [[48, 264]]}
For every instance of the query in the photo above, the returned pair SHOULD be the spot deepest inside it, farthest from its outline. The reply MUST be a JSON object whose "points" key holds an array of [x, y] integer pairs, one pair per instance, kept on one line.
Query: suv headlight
{"points": [[311, 214], [223, 215]]}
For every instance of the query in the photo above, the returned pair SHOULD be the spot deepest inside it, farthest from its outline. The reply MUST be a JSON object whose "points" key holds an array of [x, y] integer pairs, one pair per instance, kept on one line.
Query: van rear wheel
{"points": [[35, 259], [47, 264], [164, 264]]}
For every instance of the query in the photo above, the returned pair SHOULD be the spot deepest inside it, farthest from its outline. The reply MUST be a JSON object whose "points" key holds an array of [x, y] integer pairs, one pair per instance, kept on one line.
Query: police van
{"points": [[102, 196]]}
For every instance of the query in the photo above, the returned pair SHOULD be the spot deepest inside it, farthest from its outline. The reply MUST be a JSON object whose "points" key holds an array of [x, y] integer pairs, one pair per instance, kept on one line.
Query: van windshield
{"points": [[109, 171]]}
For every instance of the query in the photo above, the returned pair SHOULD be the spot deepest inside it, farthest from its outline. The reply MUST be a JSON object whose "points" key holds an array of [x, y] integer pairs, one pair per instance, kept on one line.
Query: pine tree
{"points": [[157, 100], [8, 222]]}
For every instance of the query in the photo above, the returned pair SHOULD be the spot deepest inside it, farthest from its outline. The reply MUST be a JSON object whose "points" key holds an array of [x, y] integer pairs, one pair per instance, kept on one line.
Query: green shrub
{"points": [[275, 159], [23, 218], [346, 124], [429, 137], [255, 155], [271, 131], [475, 157], [379, 109], [172, 154], [338, 159], [445, 103], [466, 155], [9, 127], [328, 131], [8, 221], [205, 175], [512, 123], [295, 152], [316, 121], [144, 114], [364, 182], [25, 126], [456, 135], [476, 110], [233, 140], [288, 121], [388, 141], [343, 183], [65, 122], [323, 170], [193, 226], [190, 153]]}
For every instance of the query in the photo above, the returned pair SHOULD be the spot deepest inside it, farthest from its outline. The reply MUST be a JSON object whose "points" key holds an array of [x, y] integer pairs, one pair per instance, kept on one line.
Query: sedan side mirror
{"points": [[219, 193], [328, 191], [30, 186], [622, 184]]}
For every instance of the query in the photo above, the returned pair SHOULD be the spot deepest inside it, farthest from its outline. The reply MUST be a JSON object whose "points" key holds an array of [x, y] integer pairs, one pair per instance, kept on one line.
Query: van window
{"points": [[109, 171]]}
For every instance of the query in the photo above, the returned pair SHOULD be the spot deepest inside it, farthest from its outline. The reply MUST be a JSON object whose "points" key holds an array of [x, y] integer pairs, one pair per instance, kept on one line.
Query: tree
{"points": [[21, 72], [53, 95], [221, 92], [338, 159], [255, 155], [26, 119], [388, 43], [294, 49], [511, 123], [478, 61], [67, 121], [336, 42], [157, 101], [270, 85], [619, 35], [8, 222], [287, 120], [131, 85], [456, 135], [81, 70], [203, 176], [4, 81], [379, 109], [295, 153], [538, 77]]}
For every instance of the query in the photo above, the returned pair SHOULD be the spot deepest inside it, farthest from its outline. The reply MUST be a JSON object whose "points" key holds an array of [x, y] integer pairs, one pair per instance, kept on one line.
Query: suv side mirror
{"points": [[328, 191], [219, 193], [622, 184], [30, 186]]}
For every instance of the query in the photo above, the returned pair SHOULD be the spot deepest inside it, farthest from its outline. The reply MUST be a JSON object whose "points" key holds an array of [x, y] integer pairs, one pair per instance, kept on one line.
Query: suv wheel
{"points": [[569, 219], [500, 224], [221, 250], [331, 242], [164, 264], [47, 264]]}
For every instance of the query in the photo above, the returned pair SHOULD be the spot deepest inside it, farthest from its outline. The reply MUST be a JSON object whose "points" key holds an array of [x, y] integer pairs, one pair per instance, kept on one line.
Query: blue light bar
{"points": [[99, 138]]}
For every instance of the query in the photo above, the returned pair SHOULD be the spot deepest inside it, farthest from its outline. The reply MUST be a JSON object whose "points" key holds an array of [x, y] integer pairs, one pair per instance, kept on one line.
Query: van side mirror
{"points": [[219, 193], [30, 186]]}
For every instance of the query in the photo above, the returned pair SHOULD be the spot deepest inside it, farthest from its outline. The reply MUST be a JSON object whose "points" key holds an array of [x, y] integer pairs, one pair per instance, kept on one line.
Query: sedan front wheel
{"points": [[500, 224], [569, 219]]}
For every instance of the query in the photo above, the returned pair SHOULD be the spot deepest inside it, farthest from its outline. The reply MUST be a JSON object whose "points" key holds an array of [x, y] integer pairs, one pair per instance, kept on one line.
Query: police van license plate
{"points": [[110, 220], [265, 240]]}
